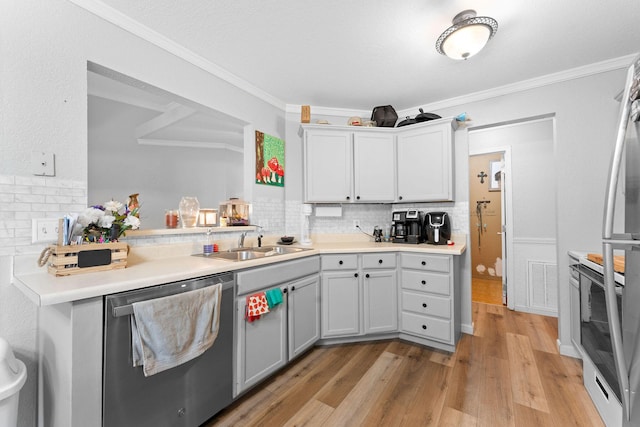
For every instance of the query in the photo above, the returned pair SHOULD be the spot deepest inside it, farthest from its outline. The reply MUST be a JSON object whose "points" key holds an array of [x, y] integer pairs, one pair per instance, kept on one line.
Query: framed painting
{"points": [[269, 160]]}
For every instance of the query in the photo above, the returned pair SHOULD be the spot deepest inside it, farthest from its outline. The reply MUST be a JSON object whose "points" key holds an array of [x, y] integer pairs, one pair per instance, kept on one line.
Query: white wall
{"points": [[586, 113], [44, 48]]}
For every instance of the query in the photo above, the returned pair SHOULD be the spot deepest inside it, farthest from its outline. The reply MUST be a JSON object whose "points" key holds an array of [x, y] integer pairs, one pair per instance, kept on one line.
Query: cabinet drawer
{"points": [[339, 262], [378, 261], [436, 283], [426, 262], [426, 304], [427, 327], [254, 279]]}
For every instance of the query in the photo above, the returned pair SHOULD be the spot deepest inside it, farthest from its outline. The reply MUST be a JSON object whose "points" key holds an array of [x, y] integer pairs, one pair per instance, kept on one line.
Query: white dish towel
{"points": [[169, 331]]}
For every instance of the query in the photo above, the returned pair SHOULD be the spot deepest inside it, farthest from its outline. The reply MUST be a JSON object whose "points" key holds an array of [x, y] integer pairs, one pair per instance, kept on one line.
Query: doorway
{"points": [[529, 260], [486, 227]]}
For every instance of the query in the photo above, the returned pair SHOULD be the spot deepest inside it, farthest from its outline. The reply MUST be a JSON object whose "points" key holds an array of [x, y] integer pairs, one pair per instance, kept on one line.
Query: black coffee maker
{"points": [[437, 228], [406, 227]]}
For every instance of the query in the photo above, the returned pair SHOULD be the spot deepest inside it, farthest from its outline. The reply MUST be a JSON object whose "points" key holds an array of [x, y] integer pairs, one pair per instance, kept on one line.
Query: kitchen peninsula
{"points": [[71, 309]]}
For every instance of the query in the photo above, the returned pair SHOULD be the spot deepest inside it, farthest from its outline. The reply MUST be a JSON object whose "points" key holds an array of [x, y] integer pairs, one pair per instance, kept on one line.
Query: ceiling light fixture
{"points": [[467, 36]]}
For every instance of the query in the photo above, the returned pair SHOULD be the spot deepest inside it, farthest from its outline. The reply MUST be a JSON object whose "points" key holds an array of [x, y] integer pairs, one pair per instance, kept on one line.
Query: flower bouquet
{"points": [[106, 223]]}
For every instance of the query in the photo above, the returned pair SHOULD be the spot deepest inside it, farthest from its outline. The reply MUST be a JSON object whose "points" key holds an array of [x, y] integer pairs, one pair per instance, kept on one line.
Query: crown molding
{"points": [[329, 111], [134, 27], [538, 82]]}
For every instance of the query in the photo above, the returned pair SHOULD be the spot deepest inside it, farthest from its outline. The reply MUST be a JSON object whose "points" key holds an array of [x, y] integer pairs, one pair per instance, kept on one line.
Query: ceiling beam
{"points": [[190, 144], [170, 117]]}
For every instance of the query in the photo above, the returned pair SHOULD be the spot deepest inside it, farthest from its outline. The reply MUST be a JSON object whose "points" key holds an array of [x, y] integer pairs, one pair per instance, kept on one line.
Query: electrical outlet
{"points": [[356, 223], [44, 230]]}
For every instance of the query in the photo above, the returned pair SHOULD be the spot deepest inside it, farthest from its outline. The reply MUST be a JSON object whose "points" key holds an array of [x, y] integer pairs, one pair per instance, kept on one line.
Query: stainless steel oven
{"points": [[595, 334], [186, 395]]}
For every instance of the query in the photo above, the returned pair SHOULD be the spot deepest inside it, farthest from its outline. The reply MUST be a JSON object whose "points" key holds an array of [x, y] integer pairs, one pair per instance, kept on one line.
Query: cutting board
{"points": [[618, 261]]}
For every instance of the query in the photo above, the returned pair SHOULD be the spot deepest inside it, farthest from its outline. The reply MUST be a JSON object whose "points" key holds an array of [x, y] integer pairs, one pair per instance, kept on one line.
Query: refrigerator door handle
{"points": [[616, 162], [615, 328]]}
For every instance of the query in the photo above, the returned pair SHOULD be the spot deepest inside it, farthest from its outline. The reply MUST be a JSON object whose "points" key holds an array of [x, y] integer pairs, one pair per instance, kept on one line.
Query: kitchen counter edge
{"points": [[44, 289]]}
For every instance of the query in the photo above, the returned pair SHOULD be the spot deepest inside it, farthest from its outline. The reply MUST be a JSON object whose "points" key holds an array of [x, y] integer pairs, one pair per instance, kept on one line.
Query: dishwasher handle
{"points": [[123, 305]]}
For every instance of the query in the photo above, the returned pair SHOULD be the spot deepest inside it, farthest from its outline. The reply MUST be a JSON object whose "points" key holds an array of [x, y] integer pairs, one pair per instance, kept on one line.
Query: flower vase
{"points": [[189, 209], [133, 204]]}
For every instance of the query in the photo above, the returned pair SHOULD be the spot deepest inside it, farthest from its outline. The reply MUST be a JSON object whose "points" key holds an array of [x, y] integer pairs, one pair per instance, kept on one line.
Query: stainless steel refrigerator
{"points": [[625, 171]]}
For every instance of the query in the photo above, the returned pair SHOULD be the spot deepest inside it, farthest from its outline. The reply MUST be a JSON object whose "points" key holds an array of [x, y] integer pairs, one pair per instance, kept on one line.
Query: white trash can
{"points": [[13, 374]]}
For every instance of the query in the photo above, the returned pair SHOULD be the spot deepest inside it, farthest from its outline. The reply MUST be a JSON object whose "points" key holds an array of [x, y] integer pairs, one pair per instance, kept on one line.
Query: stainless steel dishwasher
{"points": [[186, 395]]}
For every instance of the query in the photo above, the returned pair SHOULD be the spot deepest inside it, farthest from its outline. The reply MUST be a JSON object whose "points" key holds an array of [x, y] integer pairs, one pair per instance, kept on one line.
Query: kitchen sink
{"points": [[244, 254], [277, 250]]}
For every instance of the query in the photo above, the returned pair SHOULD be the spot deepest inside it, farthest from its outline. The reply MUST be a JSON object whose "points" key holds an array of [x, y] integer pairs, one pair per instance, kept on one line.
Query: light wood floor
{"points": [[509, 373], [486, 291]]}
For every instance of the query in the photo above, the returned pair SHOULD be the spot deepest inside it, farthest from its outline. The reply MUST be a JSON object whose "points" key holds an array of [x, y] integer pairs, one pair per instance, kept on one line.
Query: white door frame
{"points": [[507, 210]]}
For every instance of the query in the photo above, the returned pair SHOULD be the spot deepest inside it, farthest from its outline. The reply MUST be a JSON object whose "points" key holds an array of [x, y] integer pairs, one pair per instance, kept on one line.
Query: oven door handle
{"points": [[615, 328]]}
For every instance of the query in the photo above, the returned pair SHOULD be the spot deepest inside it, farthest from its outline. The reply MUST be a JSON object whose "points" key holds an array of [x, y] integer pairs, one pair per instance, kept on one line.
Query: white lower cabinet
{"points": [[266, 344], [359, 294], [340, 304], [303, 314], [428, 287], [262, 344]]}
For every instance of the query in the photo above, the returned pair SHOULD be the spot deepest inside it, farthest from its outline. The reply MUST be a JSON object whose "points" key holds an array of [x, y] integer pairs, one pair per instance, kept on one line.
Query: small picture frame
{"points": [[495, 178]]}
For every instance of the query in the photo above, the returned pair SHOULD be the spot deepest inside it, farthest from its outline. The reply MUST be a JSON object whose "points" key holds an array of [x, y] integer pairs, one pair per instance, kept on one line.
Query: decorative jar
{"points": [[189, 209]]}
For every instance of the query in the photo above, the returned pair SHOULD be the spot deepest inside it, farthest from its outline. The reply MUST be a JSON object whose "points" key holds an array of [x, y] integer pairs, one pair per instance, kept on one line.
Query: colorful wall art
{"points": [[269, 160]]}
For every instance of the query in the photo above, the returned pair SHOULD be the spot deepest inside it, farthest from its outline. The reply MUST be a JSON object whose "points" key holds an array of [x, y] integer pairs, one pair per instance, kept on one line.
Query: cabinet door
{"points": [[261, 345], [340, 304], [374, 167], [380, 301], [328, 166], [304, 314], [425, 164]]}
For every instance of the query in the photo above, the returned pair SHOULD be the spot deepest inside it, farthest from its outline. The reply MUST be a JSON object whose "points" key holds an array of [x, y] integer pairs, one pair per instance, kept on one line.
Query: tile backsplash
{"points": [[23, 198]]}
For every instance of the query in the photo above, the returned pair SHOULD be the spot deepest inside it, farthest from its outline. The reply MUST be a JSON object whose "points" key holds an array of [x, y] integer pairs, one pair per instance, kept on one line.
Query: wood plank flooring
{"points": [[509, 373]]}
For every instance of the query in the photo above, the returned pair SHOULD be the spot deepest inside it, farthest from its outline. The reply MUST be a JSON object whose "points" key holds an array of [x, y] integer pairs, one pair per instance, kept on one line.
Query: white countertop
{"points": [[45, 289]]}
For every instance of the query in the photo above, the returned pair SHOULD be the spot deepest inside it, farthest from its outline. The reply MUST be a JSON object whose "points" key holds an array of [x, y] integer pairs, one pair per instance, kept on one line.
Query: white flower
{"points": [[106, 221], [132, 221], [90, 216], [113, 206]]}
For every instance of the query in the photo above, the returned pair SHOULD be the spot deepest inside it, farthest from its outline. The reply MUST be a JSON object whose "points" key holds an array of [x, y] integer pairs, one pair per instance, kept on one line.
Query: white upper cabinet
{"points": [[425, 164], [328, 166], [379, 165], [374, 167]]}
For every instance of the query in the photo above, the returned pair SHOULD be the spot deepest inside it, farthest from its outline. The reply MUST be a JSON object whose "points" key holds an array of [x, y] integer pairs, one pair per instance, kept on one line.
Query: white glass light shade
{"points": [[467, 36], [466, 42]]}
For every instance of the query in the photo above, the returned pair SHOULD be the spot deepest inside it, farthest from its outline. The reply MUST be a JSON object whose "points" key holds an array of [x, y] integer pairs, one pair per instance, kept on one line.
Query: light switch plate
{"points": [[44, 230], [42, 164]]}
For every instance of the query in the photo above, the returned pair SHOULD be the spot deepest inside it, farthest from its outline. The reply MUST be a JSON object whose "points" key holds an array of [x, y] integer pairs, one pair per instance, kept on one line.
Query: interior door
{"points": [[503, 230]]}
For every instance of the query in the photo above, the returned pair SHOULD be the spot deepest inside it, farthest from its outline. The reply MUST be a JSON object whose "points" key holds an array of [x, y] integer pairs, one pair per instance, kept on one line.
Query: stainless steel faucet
{"points": [[241, 239]]}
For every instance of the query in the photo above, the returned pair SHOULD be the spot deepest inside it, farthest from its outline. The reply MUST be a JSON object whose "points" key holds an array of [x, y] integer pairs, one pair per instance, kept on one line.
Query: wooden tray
{"points": [[618, 261], [76, 259]]}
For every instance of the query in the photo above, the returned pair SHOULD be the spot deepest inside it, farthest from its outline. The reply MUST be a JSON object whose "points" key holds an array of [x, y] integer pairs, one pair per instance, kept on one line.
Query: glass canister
{"points": [[189, 209], [235, 211]]}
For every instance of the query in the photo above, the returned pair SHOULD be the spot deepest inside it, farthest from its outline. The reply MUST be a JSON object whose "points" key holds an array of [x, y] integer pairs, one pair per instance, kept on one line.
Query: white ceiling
{"points": [[359, 54]]}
